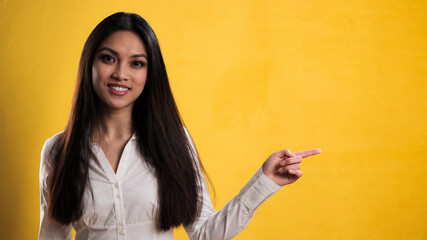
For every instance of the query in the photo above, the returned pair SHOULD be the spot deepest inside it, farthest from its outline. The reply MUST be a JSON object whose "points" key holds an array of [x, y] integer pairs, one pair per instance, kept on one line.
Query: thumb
{"points": [[285, 153]]}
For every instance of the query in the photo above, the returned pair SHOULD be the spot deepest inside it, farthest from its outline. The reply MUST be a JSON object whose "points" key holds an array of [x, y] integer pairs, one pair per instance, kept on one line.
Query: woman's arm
{"points": [[236, 214], [279, 169], [49, 229]]}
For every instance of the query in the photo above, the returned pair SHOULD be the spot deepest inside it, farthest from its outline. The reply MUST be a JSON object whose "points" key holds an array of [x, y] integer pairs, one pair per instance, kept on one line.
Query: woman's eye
{"points": [[138, 64], [107, 58]]}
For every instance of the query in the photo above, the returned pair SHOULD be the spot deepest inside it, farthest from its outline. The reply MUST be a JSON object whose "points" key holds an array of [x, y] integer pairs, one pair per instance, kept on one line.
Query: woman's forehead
{"points": [[123, 42]]}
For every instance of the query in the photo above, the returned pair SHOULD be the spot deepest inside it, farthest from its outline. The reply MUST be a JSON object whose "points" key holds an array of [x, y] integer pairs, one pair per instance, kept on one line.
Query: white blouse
{"points": [[125, 203]]}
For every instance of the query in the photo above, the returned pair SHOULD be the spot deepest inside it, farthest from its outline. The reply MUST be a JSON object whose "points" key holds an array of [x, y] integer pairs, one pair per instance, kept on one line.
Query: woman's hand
{"points": [[282, 167]]}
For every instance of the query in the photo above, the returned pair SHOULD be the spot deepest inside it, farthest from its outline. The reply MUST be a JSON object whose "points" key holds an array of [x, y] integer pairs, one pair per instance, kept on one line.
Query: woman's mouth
{"points": [[118, 90]]}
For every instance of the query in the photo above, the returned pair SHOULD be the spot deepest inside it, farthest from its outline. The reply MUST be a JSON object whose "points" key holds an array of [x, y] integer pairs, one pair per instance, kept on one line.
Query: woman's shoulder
{"points": [[46, 159], [51, 141], [48, 147], [186, 132]]}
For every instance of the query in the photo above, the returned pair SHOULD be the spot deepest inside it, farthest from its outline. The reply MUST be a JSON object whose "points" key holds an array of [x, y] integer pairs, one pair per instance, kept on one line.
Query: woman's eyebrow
{"points": [[140, 55], [115, 53], [108, 49]]}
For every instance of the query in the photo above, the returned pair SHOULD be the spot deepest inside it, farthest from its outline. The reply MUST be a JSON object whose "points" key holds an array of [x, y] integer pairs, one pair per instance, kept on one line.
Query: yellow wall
{"points": [[250, 78]]}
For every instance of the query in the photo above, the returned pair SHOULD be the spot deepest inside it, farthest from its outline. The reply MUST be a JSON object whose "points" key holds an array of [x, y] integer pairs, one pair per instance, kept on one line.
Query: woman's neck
{"points": [[112, 124]]}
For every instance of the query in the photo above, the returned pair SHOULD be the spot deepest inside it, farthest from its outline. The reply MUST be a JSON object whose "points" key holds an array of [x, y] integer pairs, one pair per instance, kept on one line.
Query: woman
{"points": [[125, 167]]}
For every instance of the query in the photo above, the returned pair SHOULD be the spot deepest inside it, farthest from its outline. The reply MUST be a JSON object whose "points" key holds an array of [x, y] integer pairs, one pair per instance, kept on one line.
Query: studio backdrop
{"points": [[250, 78]]}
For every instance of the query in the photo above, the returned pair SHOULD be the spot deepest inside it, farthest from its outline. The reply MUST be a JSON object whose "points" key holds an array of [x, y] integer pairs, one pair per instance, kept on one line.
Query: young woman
{"points": [[125, 166]]}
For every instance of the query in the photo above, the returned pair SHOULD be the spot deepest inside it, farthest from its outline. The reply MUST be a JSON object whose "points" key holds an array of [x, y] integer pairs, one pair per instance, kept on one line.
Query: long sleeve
{"points": [[49, 229], [236, 214]]}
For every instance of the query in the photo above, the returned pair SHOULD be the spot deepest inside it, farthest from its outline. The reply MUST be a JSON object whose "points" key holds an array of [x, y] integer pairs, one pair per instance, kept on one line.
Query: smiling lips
{"points": [[118, 89]]}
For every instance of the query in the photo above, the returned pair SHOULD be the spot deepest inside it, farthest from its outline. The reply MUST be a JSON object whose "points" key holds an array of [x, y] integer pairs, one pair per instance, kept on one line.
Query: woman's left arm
{"points": [[279, 169]]}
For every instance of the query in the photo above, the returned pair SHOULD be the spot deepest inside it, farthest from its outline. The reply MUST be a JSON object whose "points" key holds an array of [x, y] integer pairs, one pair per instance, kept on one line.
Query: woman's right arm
{"points": [[49, 228]]}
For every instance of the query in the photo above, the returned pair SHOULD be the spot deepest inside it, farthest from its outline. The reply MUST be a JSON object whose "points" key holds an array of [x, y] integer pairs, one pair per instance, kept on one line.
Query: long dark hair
{"points": [[158, 126]]}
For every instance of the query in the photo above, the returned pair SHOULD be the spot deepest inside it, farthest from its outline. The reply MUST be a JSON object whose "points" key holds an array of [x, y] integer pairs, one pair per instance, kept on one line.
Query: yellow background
{"points": [[250, 78]]}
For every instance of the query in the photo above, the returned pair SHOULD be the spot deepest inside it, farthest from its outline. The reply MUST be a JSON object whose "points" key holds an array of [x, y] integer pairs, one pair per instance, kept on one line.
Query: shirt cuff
{"points": [[257, 190]]}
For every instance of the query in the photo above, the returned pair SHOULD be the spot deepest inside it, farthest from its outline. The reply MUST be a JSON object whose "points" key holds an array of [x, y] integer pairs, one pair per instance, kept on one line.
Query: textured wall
{"points": [[250, 78]]}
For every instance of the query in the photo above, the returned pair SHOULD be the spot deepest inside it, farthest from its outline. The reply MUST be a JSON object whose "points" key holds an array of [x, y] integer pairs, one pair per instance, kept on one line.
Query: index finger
{"points": [[307, 153]]}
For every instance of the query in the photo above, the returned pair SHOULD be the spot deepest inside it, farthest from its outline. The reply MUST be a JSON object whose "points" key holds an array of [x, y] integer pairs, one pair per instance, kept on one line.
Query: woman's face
{"points": [[119, 70]]}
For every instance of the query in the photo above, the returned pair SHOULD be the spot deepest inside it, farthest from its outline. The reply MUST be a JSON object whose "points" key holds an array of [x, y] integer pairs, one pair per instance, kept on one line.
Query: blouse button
{"points": [[116, 185], [122, 232], [118, 196], [120, 224]]}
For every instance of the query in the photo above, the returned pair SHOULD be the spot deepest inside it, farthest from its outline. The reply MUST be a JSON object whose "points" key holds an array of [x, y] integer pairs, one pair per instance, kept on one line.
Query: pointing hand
{"points": [[283, 167]]}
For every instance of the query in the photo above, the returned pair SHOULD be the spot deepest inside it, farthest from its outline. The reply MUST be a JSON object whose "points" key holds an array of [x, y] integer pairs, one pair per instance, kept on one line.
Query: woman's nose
{"points": [[120, 73]]}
